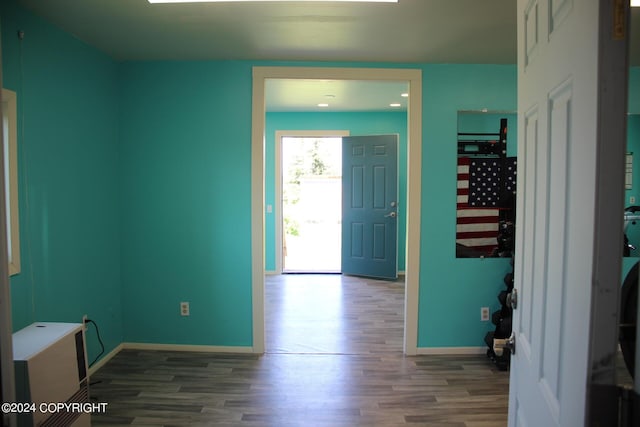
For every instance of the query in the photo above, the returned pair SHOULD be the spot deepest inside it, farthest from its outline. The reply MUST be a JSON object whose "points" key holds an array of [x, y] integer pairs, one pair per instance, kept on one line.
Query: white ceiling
{"points": [[443, 31], [341, 95], [411, 31]]}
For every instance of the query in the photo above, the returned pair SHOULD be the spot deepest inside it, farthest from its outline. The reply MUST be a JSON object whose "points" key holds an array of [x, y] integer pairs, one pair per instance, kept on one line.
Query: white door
{"points": [[558, 214]]}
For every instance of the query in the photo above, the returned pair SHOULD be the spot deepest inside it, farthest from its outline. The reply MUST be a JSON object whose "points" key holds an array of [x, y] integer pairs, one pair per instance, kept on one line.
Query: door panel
{"points": [[533, 154], [357, 240], [369, 206], [555, 285]]}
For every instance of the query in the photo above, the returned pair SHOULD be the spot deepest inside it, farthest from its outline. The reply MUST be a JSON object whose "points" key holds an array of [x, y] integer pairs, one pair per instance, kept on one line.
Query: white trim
{"points": [[186, 348], [414, 177], [100, 363], [278, 177], [7, 374], [451, 350], [257, 212], [10, 111], [414, 202]]}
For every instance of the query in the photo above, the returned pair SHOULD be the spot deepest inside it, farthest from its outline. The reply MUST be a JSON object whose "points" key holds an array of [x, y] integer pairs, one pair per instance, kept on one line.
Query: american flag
{"points": [[477, 222], [485, 182], [479, 201]]}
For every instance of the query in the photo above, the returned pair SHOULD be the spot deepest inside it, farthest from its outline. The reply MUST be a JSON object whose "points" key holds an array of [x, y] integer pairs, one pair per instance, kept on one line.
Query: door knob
{"points": [[499, 345], [390, 214], [512, 299]]}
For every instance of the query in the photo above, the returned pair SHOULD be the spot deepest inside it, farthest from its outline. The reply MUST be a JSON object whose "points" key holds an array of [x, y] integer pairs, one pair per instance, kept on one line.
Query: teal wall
{"points": [[634, 90], [186, 198], [186, 158], [69, 174], [453, 290], [633, 146], [357, 123], [633, 133]]}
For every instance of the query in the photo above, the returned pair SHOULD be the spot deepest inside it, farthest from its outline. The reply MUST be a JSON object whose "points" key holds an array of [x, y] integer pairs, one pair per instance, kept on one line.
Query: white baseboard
{"points": [[100, 363], [451, 350], [187, 347], [278, 273]]}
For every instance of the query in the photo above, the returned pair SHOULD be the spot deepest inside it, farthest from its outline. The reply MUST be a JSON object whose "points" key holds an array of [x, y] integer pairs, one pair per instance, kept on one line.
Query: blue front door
{"points": [[370, 206]]}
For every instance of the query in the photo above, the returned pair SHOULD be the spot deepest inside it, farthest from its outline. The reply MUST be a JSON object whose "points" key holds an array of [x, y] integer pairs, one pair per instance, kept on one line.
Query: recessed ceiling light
{"points": [[405, 95], [323, 105], [395, 105], [235, 1]]}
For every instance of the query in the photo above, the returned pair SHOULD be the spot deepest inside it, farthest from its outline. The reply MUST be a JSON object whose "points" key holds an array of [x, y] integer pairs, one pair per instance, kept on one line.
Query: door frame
{"points": [[278, 177], [611, 140], [414, 176]]}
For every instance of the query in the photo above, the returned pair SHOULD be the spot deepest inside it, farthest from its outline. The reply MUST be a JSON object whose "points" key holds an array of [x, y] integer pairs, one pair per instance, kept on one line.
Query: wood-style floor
{"points": [[333, 314], [334, 358]]}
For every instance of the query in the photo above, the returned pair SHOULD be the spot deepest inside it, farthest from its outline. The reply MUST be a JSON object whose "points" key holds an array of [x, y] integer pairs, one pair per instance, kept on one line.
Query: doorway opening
{"points": [[311, 204], [413, 157]]}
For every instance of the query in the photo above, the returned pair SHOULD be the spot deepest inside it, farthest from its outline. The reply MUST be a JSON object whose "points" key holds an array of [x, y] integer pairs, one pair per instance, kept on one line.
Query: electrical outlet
{"points": [[84, 319], [632, 200], [484, 314], [184, 308]]}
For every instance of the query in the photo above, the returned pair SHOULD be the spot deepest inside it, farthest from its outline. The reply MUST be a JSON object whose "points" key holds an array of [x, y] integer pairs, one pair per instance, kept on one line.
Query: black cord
{"points": [[99, 340]]}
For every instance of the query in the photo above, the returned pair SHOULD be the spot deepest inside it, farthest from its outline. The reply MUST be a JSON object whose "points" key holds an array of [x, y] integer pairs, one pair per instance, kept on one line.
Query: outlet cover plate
{"points": [[184, 308]]}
